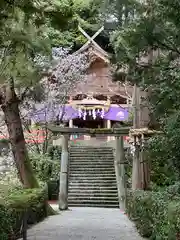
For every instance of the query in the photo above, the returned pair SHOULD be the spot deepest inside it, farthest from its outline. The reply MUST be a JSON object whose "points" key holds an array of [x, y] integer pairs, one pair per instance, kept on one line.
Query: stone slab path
{"points": [[85, 224]]}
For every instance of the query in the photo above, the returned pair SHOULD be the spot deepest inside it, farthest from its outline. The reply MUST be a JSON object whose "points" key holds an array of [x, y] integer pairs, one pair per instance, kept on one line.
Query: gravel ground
{"points": [[85, 224]]}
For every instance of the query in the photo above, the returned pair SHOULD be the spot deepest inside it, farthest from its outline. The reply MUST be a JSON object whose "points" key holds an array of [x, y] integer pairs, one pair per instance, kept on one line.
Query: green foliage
{"points": [[85, 13], [156, 214], [17, 203], [54, 152], [164, 154], [45, 167], [163, 170], [4, 223]]}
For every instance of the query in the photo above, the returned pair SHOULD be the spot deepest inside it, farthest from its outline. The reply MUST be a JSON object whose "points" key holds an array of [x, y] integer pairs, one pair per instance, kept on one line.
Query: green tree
{"points": [[22, 37], [148, 46], [87, 14]]}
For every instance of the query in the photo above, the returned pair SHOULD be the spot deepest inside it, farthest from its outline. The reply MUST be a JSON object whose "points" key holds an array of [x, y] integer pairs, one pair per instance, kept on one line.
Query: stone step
{"points": [[79, 150], [91, 156], [90, 159], [90, 165], [92, 181], [94, 205], [92, 188], [93, 198], [98, 175], [88, 148], [96, 201], [84, 159], [105, 162], [108, 157], [94, 193], [92, 171], [79, 163], [89, 177], [89, 153], [91, 168]]}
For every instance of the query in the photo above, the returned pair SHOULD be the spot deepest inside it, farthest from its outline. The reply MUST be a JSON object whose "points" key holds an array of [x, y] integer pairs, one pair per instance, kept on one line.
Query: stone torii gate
{"points": [[119, 160]]}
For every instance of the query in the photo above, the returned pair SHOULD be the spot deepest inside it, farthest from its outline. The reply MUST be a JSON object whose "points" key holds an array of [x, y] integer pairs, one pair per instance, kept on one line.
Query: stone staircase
{"points": [[92, 180]]}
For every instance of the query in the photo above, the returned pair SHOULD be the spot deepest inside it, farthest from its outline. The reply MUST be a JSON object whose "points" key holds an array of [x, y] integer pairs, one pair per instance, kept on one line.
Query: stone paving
{"points": [[85, 224]]}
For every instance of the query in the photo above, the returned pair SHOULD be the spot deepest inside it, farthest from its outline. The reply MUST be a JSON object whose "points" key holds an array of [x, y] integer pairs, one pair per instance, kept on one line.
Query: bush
{"points": [[54, 152], [156, 214], [53, 190], [18, 204], [45, 168], [163, 170]]}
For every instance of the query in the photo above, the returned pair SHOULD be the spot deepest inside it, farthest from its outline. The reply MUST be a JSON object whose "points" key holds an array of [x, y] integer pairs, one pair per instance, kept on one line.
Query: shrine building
{"points": [[99, 102]]}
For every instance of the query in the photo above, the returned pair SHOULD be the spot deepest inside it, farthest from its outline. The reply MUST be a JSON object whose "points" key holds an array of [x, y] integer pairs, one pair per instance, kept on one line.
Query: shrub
{"points": [[18, 204], [139, 207], [156, 214], [163, 171], [54, 152], [45, 168]]}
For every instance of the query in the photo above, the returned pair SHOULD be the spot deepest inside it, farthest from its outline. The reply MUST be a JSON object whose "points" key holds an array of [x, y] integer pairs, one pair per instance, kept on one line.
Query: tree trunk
{"points": [[16, 137]]}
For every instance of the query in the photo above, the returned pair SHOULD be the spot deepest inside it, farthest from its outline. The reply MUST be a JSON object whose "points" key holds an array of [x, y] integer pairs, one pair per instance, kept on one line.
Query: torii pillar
{"points": [[63, 188]]}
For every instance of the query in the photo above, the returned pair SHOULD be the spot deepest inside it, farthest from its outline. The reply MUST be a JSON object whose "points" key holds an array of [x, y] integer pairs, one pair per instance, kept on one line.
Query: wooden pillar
{"points": [[136, 173], [136, 169], [145, 165], [63, 190], [120, 172]]}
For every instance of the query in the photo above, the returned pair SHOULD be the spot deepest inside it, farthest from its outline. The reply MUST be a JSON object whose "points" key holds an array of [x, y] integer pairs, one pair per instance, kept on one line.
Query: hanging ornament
{"points": [[94, 114], [84, 115], [98, 111], [90, 113], [80, 113], [102, 113]]}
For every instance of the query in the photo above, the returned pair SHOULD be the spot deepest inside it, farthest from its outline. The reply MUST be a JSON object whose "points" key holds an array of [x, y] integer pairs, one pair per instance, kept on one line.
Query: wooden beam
{"points": [[91, 39], [94, 36], [98, 131]]}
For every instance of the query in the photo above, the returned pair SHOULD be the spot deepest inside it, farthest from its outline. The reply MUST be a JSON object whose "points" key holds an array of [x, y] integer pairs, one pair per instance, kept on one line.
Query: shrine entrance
{"points": [[89, 123], [119, 160]]}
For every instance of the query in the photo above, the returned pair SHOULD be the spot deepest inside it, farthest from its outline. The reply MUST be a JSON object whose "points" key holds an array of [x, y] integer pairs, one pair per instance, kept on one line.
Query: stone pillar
{"points": [[109, 126], [120, 172], [63, 189]]}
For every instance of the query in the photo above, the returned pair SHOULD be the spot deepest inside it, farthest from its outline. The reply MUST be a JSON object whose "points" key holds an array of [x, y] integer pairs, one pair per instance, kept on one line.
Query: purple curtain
{"points": [[117, 114]]}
